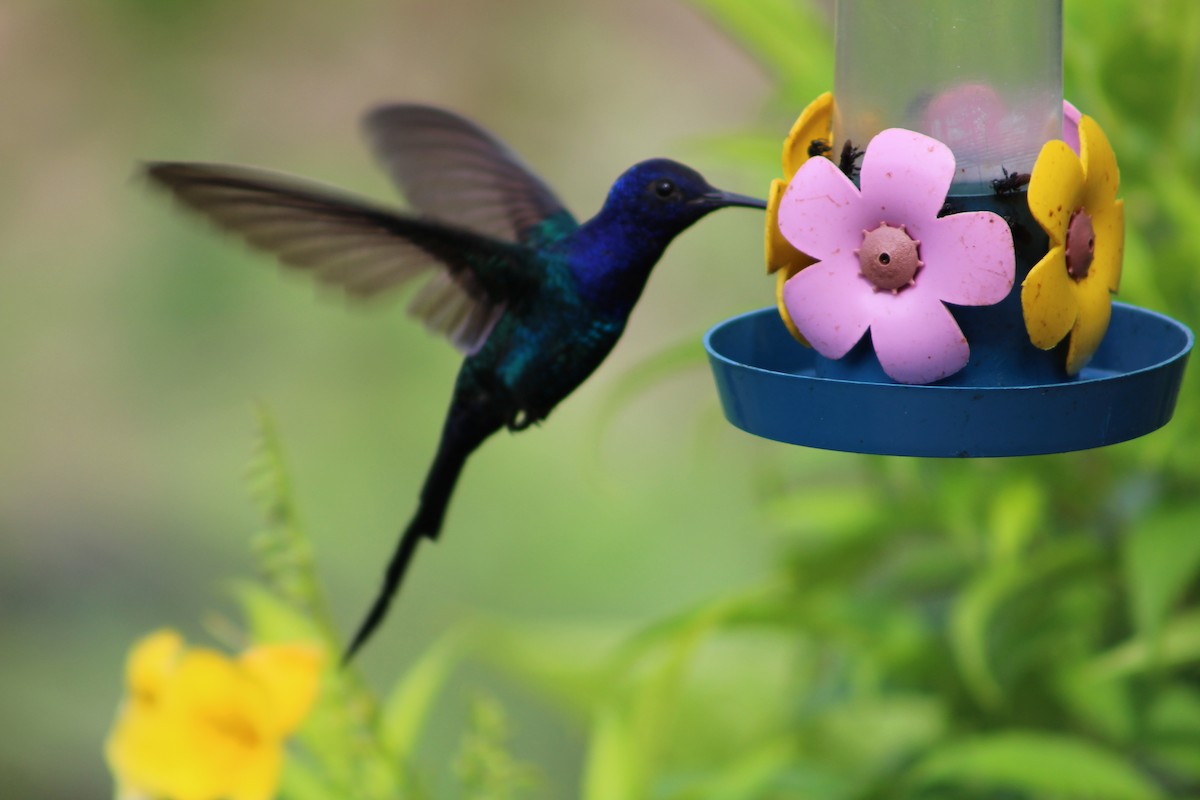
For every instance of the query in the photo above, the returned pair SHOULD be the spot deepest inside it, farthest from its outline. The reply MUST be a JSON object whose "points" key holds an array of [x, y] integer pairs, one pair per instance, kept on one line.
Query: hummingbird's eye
{"points": [[664, 188]]}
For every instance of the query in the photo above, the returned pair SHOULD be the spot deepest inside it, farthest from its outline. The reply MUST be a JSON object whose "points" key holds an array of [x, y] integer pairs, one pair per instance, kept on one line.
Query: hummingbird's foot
{"points": [[522, 420]]}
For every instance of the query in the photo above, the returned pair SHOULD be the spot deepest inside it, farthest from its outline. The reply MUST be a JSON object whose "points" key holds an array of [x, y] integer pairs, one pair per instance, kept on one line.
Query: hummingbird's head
{"points": [[670, 196], [648, 206]]}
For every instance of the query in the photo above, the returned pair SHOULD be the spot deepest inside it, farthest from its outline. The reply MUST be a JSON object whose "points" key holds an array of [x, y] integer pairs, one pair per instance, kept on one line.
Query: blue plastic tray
{"points": [[768, 387]]}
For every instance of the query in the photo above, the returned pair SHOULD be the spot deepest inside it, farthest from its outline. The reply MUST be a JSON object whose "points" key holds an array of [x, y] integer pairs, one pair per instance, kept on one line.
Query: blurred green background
{"points": [[674, 609]]}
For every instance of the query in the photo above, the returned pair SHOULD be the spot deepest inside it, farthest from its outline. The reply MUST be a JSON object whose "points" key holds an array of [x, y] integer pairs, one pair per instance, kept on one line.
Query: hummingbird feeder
{"points": [[946, 242]]}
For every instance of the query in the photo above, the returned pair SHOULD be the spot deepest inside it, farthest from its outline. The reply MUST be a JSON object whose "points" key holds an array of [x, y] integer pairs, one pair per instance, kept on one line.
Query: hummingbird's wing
{"points": [[450, 169], [362, 248]]}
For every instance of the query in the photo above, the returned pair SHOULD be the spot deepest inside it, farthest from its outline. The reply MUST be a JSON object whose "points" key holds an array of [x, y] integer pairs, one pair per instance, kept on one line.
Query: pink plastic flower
{"points": [[1071, 118], [887, 262]]}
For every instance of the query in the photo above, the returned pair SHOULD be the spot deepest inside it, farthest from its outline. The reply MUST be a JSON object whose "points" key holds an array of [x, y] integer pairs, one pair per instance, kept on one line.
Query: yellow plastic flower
{"points": [[1074, 198], [814, 124], [198, 725]]}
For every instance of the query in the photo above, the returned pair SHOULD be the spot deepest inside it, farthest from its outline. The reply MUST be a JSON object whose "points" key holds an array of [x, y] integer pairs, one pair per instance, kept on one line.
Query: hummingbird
{"points": [[532, 298]]}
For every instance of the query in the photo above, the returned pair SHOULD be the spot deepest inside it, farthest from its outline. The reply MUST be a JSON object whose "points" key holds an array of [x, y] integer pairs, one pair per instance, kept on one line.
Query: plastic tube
{"points": [[983, 76]]}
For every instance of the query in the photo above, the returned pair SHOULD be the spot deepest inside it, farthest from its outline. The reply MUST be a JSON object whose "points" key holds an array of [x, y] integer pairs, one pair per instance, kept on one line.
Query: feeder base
{"points": [[768, 387]]}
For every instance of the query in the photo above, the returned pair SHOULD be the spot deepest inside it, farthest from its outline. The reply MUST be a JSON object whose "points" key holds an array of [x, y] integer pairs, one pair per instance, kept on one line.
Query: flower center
{"points": [[1081, 244], [888, 258]]}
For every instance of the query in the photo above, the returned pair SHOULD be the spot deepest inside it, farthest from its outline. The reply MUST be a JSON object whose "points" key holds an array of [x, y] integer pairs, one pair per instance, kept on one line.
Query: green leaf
{"points": [[1161, 560], [1016, 512], [611, 771], [755, 774], [1177, 644], [406, 708], [875, 731], [271, 619], [484, 765], [631, 730], [981, 602], [1102, 706], [340, 734], [1038, 763], [828, 512], [565, 663], [757, 604], [1174, 726], [284, 553], [301, 781]]}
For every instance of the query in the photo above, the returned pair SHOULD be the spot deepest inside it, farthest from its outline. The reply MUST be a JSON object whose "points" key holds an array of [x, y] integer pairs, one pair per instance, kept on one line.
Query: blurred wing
{"points": [[358, 247], [451, 169]]}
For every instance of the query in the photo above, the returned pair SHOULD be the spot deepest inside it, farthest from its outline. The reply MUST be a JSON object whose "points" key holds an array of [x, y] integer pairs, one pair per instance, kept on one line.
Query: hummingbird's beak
{"points": [[719, 199]]}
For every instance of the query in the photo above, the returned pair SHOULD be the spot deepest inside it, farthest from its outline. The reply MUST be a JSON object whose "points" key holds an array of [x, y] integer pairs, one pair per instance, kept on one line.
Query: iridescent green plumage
{"points": [[535, 300]]}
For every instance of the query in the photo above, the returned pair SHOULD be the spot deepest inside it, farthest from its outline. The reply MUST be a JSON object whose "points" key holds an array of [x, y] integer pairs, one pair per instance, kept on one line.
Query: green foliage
{"points": [[1037, 763], [1025, 628], [484, 765], [354, 744], [1020, 629]]}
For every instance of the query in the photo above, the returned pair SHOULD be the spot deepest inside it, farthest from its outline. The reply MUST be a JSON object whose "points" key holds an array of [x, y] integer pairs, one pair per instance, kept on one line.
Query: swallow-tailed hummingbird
{"points": [[533, 299]]}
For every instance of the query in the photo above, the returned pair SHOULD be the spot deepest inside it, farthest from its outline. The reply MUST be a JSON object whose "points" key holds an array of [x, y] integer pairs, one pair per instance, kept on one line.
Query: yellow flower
{"points": [[1074, 198], [198, 725], [814, 124]]}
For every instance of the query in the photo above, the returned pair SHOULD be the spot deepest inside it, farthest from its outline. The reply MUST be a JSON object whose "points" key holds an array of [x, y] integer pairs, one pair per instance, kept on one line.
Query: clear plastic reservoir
{"points": [[983, 76]]}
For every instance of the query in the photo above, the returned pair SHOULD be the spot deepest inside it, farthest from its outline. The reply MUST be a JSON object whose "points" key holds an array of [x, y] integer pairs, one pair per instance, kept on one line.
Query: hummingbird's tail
{"points": [[467, 426]]}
